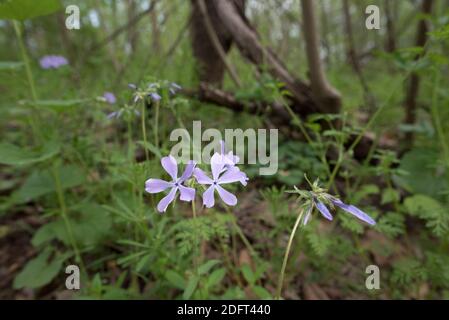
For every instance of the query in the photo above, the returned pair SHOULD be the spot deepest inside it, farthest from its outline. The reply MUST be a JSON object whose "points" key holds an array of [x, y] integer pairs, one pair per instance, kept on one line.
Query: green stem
{"points": [[286, 255], [156, 125], [436, 117], [26, 61], [245, 240], [144, 132], [130, 142], [298, 122], [65, 217], [193, 209], [367, 126]]}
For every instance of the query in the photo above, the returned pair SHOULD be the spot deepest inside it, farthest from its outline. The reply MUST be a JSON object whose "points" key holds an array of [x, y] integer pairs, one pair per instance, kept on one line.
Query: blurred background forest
{"points": [[364, 111]]}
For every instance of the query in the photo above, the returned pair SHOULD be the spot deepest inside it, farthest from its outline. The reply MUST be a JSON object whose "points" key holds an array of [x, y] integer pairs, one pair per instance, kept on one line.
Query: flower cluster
{"points": [[152, 91], [52, 62], [223, 171], [319, 198]]}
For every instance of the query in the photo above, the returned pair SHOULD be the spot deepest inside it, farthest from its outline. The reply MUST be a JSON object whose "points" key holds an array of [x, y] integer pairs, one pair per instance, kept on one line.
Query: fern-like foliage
{"points": [[430, 210], [191, 232]]}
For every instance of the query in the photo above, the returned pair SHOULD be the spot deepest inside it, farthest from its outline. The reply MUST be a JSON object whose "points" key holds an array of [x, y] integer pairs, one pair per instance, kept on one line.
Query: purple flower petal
{"points": [[324, 211], [109, 97], [132, 86], [187, 194], [155, 97], [188, 171], [208, 197], [52, 61], [163, 204], [226, 196], [233, 174], [201, 177], [171, 166], [216, 164], [156, 185], [354, 211]]}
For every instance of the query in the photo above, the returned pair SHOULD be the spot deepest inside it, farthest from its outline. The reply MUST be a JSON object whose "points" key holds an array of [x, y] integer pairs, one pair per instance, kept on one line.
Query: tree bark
{"points": [[413, 84]]}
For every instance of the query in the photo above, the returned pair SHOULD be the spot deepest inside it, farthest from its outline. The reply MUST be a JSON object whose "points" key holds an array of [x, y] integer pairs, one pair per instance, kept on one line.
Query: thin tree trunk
{"points": [[324, 94], [353, 57], [390, 44], [413, 84], [132, 30], [325, 32], [156, 33]]}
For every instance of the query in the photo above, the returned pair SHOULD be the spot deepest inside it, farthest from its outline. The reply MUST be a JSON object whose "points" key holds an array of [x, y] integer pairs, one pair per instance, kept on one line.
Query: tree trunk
{"points": [[210, 67], [132, 30], [324, 94], [390, 44], [413, 84], [156, 33]]}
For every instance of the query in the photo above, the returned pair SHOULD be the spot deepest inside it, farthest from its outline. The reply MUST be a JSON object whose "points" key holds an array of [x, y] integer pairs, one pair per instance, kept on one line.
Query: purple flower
{"points": [[155, 97], [132, 86], [219, 177], [323, 210], [354, 211], [156, 185], [348, 208], [229, 159], [52, 61], [109, 97]]}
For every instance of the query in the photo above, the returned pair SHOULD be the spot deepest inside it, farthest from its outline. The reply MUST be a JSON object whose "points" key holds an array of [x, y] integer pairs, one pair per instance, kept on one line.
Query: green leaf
{"points": [[27, 9], [390, 195], [364, 191], [191, 287], [154, 150], [90, 225], [175, 279], [205, 268], [56, 105], [39, 271], [10, 65], [15, 156], [216, 277], [262, 292], [248, 274], [41, 183], [48, 232], [424, 174]]}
